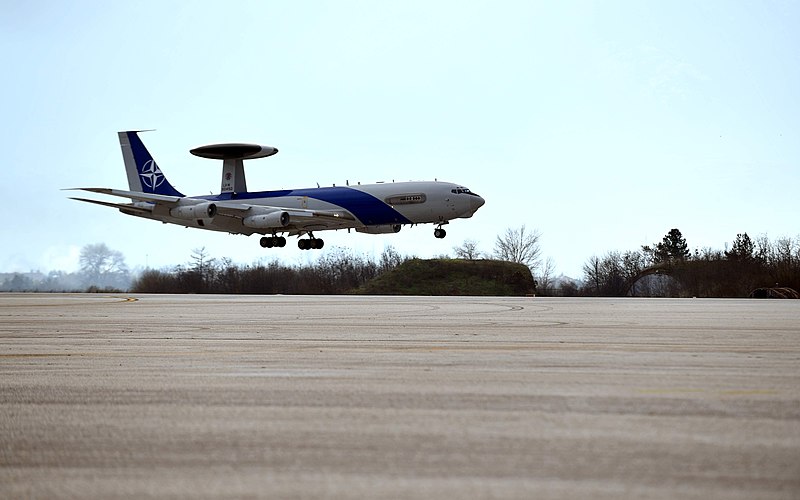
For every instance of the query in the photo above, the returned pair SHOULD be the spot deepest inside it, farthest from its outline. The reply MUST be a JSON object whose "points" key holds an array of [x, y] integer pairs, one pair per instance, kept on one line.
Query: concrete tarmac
{"points": [[117, 396]]}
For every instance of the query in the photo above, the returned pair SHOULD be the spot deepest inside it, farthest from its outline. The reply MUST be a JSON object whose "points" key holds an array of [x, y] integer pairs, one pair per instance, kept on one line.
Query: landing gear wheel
{"points": [[312, 243], [272, 241], [439, 233]]}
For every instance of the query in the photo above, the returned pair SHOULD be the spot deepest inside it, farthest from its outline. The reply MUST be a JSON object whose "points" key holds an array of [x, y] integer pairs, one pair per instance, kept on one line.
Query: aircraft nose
{"points": [[475, 202]]}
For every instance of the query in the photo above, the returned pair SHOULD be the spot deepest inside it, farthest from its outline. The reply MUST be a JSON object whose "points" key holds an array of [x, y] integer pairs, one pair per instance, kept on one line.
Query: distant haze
{"points": [[602, 125]]}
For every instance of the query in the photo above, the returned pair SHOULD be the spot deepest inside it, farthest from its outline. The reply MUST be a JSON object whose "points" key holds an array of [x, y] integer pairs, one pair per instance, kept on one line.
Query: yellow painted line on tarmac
{"points": [[671, 390], [688, 390], [129, 299], [748, 392], [34, 355]]}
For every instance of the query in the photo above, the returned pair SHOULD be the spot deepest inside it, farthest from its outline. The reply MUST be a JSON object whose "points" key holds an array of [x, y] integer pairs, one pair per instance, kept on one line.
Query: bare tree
{"points": [[103, 267], [202, 263], [544, 282], [519, 245], [390, 259], [468, 250], [593, 275]]}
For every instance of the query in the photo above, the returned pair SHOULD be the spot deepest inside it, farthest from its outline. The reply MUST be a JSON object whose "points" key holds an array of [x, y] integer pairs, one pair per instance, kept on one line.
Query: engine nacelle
{"points": [[198, 211], [272, 220], [384, 229]]}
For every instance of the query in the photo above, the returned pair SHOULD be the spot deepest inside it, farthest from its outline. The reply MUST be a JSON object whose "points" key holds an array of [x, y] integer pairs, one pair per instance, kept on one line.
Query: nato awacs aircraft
{"points": [[370, 208]]}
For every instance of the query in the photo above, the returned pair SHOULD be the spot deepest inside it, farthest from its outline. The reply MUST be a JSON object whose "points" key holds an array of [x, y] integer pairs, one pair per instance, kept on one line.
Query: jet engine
{"points": [[198, 211], [383, 229], [272, 220]]}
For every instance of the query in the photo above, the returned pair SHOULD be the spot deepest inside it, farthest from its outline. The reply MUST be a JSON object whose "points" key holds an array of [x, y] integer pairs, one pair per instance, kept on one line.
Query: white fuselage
{"points": [[371, 205]]}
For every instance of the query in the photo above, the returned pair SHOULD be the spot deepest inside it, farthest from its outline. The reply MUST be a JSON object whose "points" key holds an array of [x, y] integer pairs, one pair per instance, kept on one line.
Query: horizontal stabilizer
{"points": [[121, 206], [133, 195]]}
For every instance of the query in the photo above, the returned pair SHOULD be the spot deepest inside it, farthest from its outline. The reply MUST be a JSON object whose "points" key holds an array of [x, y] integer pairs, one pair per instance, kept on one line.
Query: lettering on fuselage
{"points": [[227, 184]]}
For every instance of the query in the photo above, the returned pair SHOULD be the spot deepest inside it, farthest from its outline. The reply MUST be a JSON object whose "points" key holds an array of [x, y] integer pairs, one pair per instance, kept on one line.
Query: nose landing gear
{"points": [[439, 232]]}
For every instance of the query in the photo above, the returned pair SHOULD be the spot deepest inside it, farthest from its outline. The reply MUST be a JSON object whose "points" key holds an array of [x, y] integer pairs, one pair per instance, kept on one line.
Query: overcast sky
{"points": [[600, 124]]}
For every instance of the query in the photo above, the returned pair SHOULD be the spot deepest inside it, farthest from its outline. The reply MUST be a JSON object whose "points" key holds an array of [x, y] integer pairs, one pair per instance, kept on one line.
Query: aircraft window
{"points": [[463, 191], [406, 199]]}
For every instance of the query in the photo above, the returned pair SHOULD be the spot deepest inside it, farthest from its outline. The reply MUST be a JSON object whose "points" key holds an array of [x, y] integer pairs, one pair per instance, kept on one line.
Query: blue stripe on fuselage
{"points": [[367, 208]]}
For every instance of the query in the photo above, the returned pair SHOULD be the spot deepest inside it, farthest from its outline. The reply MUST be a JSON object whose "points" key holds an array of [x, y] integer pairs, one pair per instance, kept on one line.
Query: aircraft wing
{"points": [[300, 218], [244, 210], [319, 219]]}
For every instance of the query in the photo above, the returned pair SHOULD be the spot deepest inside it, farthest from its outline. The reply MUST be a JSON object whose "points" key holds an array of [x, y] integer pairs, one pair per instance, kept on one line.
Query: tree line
{"points": [[665, 269], [337, 272], [669, 269]]}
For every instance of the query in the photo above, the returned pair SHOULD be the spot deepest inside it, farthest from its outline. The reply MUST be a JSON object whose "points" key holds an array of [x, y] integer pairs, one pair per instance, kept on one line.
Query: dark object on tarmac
{"points": [[774, 293]]}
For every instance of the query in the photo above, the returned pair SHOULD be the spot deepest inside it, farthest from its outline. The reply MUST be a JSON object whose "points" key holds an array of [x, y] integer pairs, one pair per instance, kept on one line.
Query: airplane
{"points": [[380, 208]]}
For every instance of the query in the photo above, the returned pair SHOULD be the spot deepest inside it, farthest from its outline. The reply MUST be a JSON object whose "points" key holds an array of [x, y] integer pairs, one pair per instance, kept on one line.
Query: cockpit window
{"points": [[462, 190]]}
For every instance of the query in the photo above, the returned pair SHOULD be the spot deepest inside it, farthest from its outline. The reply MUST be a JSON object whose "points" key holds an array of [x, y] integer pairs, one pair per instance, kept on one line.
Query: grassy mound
{"points": [[453, 277]]}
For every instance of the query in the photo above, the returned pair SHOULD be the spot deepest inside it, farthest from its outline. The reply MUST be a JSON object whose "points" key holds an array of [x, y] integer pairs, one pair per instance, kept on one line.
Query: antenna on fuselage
{"points": [[233, 156]]}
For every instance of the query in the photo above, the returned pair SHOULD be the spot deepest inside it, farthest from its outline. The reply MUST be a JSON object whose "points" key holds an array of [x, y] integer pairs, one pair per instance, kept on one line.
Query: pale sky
{"points": [[600, 124]]}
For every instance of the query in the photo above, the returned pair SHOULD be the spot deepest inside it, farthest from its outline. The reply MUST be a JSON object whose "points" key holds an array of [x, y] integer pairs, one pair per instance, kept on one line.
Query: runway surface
{"points": [[397, 397]]}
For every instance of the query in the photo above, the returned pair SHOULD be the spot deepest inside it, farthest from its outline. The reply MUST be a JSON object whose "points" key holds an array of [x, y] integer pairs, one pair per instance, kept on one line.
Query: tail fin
{"points": [[144, 175]]}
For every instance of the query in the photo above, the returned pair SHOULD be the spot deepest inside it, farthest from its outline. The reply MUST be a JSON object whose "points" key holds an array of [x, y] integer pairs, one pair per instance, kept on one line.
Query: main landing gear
{"points": [[272, 241], [439, 232], [311, 243], [304, 244]]}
